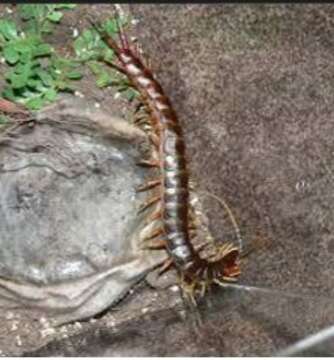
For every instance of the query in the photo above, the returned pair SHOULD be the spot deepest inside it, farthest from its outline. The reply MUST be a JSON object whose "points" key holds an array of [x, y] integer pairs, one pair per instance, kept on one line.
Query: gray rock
{"points": [[69, 228]]}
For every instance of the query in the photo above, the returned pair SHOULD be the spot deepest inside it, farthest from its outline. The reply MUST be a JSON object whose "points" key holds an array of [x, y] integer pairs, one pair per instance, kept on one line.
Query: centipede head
{"points": [[202, 274]]}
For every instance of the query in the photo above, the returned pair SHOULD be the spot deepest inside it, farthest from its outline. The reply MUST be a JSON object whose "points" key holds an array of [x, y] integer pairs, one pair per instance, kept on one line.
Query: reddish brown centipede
{"points": [[197, 273]]}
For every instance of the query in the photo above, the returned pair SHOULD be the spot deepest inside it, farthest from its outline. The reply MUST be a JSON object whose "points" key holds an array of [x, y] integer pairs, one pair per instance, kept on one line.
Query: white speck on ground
{"points": [[174, 288], [9, 315], [18, 340], [117, 95], [75, 32], [77, 325], [79, 94], [14, 326], [47, 332]]}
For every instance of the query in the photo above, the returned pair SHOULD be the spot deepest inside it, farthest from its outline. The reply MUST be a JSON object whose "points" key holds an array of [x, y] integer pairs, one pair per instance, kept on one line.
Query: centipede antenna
{"points": [[123, 38], [231, 216]]}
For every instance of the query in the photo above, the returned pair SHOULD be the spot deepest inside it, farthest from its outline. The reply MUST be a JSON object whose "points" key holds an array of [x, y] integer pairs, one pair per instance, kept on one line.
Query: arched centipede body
{"points": [[173, 181]]}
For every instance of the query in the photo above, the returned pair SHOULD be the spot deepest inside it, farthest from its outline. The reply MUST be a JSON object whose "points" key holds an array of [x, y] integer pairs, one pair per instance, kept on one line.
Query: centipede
{"points": [[197, 273]]}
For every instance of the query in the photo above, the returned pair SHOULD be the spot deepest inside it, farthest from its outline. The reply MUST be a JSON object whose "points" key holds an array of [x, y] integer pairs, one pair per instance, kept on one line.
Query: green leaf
{"points": [[64, 6], [74, 75], [34, 84], [32, 11], [50, 95], [26, 56], [35, 103], [42, 50], [108, 55], [63, 85], [18, 81], [63, 64], [23, 46], [8, 29], [8, 93], [47, 27], [103, 80], [24, 69], [103, 77], [2, 40], [95, 67], [88, 45], [10, 54], [45, 77], [55, 16], [110, 26]]}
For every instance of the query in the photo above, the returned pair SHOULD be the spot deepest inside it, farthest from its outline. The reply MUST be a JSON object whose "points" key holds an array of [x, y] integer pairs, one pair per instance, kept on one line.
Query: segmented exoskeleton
{"points": [[197, 273]]}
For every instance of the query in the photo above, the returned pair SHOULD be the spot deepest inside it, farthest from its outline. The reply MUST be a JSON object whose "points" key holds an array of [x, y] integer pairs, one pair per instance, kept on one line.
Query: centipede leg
{"points": [[154, 140], [166, 266], [188, 292], [117, 67], [156, 244], [149, 203], [157, 232], [122, 36], [149, 163], [149, 185], [156, 215], [140, 121]]}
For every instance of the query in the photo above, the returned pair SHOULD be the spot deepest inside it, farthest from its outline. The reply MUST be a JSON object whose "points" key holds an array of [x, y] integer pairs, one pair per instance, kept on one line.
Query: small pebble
{"points": [[75, 32], [47, 332], [111, 323], [144, 310], [8, 10], [117, 95], [134, 21], [97, 105], [77, 325], [14, 326], [174, 288], [182, 314], [9, 315], [18, 340], [119, 9], [44, 321], [79, 94], [3, 60]]}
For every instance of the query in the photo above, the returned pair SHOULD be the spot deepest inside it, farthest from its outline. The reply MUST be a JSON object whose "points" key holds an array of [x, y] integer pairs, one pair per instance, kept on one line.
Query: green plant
{"points": [[90, 48], [36, 73], [41, 18]]}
